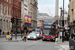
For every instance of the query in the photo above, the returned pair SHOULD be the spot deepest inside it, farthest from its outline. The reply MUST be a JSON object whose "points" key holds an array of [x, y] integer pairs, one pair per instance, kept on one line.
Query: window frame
{"points": [[1, 8]]}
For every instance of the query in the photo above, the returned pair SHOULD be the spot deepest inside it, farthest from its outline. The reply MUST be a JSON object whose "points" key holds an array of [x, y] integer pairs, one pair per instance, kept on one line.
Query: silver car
{"points": [[32, 35], [37, 34]]}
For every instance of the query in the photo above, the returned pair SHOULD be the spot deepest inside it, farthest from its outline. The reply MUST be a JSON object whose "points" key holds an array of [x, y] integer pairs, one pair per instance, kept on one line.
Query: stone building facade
{"points": [[5, 15], [24, 10], [9, 8], [71, 16], [30, 9], [33, 12], [41, 17]]}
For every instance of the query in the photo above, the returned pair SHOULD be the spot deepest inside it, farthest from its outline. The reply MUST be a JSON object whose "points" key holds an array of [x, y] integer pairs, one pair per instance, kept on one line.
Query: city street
{"points": [[29, 45]]}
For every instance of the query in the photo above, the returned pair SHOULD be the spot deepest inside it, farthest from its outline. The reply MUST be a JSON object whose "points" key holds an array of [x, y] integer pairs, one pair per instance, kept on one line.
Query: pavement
{"points": [[3, 39], [64, 45], [13, 35]]}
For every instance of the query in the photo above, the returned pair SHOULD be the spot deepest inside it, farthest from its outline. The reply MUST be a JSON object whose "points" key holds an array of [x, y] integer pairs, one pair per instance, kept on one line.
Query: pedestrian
{"points": [[65, 35], [10, 37], [72, 35], [3, 32], [22, 31], [60, 34], [7, 36], [12, 32], [25, 34], [68, 36], [8, 33], [0, 31]]}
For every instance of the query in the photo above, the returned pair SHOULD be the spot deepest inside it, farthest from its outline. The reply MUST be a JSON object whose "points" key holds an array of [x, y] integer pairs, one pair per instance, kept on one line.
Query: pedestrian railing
{"points": [[71, 43]]}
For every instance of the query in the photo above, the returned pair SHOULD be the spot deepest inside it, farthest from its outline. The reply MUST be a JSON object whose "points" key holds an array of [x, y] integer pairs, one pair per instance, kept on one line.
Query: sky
{"points": [[48, 6]]}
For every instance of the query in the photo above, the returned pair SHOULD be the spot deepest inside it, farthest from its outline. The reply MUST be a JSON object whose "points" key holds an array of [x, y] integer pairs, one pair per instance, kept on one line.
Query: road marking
{"points": [[60, 49]]}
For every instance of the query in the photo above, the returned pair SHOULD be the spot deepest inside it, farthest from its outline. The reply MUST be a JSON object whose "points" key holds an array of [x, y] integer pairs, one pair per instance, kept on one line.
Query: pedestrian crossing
{"points": [[65, 47]]}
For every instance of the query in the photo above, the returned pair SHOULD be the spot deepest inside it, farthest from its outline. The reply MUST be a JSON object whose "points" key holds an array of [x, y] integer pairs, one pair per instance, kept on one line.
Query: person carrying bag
{"points": [[25, 35]]}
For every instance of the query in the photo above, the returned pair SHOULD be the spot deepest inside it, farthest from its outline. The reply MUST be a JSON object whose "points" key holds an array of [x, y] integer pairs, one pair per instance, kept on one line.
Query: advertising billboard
{"points": [[26, 19], [29, 19]]}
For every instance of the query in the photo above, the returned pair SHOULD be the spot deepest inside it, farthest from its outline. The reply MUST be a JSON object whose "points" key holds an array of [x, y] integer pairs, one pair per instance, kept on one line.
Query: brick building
{"points": [[9, 8], [5, 15], [16, 11]]}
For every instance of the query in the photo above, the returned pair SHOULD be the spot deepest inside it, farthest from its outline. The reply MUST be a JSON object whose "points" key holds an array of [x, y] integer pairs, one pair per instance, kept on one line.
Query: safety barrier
{"points": [[71, 44]]}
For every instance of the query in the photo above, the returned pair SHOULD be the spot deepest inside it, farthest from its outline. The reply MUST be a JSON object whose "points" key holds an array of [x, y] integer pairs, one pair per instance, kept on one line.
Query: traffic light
{"points": [[16, 20], [12, 19], [62, 22]]}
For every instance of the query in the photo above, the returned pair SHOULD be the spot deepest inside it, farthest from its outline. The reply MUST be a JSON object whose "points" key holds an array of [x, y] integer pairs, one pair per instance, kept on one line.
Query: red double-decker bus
{"points": [[49, 29]]}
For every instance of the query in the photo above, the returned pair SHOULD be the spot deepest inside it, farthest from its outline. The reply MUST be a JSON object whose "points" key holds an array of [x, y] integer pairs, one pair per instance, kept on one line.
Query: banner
{"points": [[26, 19], [29, 19]]}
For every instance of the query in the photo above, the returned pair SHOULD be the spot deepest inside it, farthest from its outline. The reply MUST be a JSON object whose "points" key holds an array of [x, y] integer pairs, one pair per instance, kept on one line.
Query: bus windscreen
{"points": [[49, 27], [49, 21], [49, 30]]}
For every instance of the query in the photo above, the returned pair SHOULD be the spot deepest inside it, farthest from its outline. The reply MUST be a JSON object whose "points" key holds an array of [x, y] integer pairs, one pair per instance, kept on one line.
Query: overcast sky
{"points": [[48, 6]]}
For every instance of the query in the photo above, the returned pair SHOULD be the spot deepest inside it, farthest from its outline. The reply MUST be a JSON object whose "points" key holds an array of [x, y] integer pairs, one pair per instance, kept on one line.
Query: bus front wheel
{"points": [[43, 39]]}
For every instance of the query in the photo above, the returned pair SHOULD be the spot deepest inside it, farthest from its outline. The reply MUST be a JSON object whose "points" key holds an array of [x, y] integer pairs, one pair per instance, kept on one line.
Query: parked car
{"points": [[32, 35]]}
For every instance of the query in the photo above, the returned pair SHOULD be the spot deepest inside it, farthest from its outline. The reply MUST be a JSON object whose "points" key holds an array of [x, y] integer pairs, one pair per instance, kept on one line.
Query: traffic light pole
{"points": [[16, 27], [63, 23]]}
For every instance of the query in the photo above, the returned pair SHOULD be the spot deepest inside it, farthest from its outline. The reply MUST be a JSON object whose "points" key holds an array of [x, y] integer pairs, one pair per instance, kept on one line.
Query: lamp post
{"points": [[22, 13], [16, 26], [63, 23], [60, 15]]}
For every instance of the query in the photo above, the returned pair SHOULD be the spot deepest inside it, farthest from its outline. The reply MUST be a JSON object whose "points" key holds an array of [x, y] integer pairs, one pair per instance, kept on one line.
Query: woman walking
{"points": [[25, 32]]}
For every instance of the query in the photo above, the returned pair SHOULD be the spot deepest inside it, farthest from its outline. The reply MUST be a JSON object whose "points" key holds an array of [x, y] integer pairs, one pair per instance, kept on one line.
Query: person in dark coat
{"points": [[68, 35], [22, 31], [0, 31], [72, 35]]}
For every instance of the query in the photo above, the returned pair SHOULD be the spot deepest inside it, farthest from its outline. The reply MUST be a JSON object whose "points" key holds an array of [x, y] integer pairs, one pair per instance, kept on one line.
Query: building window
{"points": [[1, 8], [4, 8], [25, 8], [7, 10], [7, 0], [25, 5], [4, 0]]}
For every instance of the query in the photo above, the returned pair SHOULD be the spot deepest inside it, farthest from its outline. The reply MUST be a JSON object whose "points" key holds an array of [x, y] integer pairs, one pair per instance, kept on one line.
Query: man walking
{"points": [[25, 33], [60, 34], [22, 31], [0, 31]]}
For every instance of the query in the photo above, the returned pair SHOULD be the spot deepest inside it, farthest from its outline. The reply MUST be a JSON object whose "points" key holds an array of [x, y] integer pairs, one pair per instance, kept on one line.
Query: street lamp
{"points": [[63, 23], [22, 13], [16, 25], [60, 15]]}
